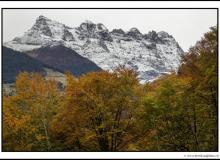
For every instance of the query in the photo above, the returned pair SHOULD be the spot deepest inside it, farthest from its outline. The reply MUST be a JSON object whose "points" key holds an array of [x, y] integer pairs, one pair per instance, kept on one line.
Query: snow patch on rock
{"points": [[151, 55]]}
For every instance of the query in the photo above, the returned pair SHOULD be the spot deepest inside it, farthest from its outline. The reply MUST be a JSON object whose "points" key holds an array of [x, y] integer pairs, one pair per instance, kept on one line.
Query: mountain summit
{"points": [[151, 54]]}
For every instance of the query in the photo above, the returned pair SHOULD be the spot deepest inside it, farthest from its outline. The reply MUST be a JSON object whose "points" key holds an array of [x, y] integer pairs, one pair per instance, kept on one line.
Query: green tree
{"points": [[179, 111], [201, 66]]}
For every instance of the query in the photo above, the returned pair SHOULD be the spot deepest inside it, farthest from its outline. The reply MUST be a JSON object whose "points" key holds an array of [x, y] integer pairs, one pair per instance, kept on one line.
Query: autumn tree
{"points": [[112, 111], [98, 112], [29, 111]]}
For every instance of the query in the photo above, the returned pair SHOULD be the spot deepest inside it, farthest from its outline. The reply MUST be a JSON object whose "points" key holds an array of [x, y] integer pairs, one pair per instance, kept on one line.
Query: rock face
{"points": [[151, 54]]}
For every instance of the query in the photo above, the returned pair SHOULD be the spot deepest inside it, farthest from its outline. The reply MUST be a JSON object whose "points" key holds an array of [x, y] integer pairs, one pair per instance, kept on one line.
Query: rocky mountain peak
{"points": [[156, 37], [150, 54], [87, 26], [40, 21], [101, 27], [42, 17], [118, 31], [47, 27], [92, 30], [163, 34], [134, 33], [135, 30]]}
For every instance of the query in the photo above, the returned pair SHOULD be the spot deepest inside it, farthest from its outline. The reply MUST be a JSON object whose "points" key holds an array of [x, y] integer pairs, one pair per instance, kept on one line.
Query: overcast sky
{"points": [[186, 25]]}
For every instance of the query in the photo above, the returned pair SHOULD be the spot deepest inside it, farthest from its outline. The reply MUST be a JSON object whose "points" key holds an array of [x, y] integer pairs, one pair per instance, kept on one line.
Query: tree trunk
{"points": [[157, 138], [46, 134], [195, 129]]}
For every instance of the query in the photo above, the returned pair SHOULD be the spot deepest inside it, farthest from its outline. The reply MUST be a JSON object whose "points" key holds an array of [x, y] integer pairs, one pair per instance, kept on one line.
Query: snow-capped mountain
{"points": [[151, 54]]}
